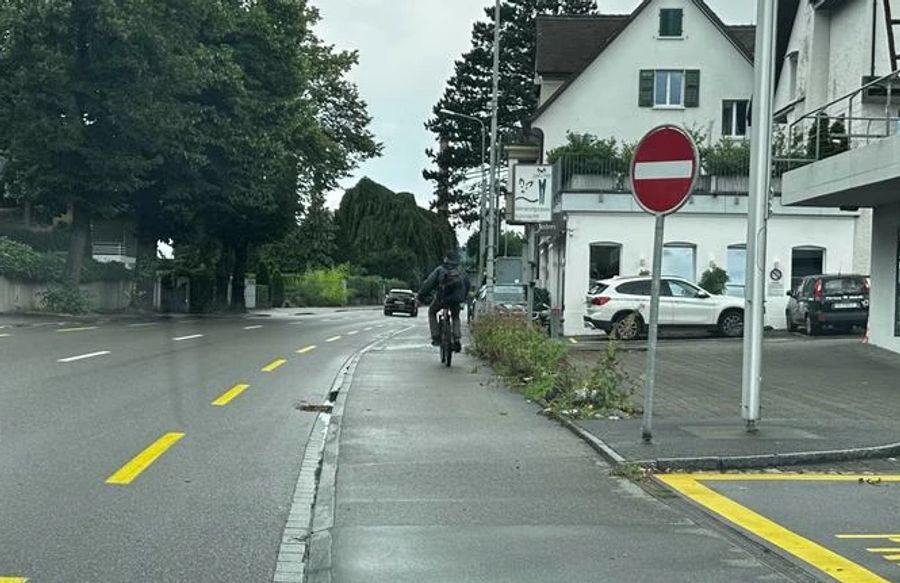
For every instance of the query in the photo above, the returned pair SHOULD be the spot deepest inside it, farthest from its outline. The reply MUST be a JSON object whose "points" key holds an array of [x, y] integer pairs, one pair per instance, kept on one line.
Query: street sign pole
{"points": [[663, 174], [492, 198], [760, 178], [653, 332]]}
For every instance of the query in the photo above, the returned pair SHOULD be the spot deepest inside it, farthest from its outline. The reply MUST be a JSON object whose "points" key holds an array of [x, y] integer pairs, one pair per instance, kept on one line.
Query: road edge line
{"points": [[305, 550]]}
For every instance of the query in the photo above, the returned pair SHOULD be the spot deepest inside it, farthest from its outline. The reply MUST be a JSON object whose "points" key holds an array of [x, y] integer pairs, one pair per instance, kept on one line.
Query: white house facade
{"points": [[670, 61], [847, 56]]}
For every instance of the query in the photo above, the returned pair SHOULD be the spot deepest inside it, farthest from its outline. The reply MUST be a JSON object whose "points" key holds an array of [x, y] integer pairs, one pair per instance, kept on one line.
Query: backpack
{"points": [[451, 283]]}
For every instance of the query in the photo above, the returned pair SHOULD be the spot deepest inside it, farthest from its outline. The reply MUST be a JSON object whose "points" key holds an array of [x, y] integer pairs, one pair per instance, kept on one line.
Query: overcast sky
{"points": [[407, 49]]}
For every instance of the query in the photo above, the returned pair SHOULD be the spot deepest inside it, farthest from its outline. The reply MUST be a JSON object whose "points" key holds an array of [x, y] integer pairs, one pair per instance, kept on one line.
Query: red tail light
{"points": [[819, 290], [599, 300]]}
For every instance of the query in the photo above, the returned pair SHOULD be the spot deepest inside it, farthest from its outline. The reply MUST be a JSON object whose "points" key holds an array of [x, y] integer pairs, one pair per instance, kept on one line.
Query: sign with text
{"points": [[664, 170], [532, 194]]}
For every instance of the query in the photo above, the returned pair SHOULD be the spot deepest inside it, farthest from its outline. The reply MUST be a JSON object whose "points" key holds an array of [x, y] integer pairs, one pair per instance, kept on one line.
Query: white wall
{"points": [[604, 100], [712, 236], [883, 298], [26, 297]]}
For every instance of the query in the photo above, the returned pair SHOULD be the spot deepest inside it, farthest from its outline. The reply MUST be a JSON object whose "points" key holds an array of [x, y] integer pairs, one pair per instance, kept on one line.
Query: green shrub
{"points": [[714, 280], [111, 271], [65, 299], [20, 262], [528, 359], [321, 287], [44, 240]]}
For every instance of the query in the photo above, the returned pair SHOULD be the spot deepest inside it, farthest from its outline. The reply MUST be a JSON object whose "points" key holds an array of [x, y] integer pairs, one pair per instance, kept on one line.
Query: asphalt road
{"points": [[115, 465]]}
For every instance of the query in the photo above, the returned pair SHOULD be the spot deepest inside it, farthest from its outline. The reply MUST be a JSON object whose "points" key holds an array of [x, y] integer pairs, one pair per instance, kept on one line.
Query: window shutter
{"points": [[645, 91], [692, 88], [677, 22]]}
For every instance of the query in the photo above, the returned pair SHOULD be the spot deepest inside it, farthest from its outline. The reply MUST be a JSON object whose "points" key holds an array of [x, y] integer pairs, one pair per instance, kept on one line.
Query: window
{"points": [[605, 259], [682, 290], [669, 88], [736, 267], [806, 261], [635, 288], [734, 118], [680, 260], [671, 22]]}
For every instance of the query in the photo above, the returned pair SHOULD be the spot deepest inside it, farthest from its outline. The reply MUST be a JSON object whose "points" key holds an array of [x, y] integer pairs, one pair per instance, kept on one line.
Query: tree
{"points": [[468, 91], [387, 234]]}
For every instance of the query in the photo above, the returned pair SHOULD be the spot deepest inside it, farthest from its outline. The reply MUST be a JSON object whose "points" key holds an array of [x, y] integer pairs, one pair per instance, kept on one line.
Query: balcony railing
{"points": [[114, 249]]}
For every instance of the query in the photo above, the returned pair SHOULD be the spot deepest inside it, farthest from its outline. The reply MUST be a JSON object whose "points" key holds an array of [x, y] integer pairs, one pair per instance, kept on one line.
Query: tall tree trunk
{"points": [[238, 303], [78, 243], [144, 273]]}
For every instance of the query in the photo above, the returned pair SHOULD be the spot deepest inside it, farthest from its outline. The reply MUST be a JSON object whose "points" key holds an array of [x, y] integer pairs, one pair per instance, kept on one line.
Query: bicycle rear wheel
{"points": [[446, 341]]}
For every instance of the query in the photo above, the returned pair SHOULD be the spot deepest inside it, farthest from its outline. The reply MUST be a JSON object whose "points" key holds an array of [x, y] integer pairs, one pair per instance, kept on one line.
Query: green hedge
{"points": [[21, 262], [369, 290], [322, 287], [56, 239]]}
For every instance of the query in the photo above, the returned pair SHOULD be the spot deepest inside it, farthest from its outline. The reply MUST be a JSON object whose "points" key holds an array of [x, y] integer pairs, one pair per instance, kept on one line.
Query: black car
{"points": [[401, 301], [833, 301]]}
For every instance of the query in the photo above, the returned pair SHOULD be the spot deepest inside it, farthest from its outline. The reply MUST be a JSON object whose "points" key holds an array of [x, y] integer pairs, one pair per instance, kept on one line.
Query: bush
{"points": [[20, 262], [369, 290], [714, 280], [111, 271], [45, 240], [526, 357], [65, 299], [322, 287]]}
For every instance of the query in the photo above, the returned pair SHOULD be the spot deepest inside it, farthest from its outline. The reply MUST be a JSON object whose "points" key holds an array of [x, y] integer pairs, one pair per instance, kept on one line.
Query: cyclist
{"points": [[451, 287]]}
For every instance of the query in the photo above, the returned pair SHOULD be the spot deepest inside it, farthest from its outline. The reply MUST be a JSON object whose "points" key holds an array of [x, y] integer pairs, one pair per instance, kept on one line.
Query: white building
{"points": [[841, 65], [670, 61]]}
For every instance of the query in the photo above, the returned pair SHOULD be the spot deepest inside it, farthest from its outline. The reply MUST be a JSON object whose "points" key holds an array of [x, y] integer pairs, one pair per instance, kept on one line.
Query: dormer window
{"points": [[671, 23]]}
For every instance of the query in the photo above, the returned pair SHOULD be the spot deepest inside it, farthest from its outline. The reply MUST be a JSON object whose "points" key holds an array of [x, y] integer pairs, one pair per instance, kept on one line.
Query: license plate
{"points": [[845, 306]]}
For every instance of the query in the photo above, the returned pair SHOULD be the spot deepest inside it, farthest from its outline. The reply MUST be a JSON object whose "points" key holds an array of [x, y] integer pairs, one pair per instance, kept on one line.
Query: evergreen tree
{"points": [[468, 91]]}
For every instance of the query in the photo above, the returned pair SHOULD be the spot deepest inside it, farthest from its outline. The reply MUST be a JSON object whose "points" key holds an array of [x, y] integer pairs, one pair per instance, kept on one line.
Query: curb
{"points": [[723, 463]]}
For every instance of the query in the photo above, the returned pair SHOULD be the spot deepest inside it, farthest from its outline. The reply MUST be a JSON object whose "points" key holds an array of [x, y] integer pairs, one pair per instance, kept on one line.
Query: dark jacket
{"points": [[433, 283]]}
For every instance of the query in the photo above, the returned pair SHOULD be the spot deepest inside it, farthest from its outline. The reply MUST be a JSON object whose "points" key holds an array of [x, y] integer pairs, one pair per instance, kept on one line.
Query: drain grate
{"points": [[317, 408]]}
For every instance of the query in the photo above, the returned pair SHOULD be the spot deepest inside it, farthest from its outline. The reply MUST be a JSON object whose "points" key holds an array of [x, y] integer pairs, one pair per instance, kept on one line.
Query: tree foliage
{"points": [[468, 91], [209, 123], [388, 234]]}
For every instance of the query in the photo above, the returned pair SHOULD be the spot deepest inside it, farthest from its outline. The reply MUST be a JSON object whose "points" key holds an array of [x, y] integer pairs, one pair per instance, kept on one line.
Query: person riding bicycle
{"points": [[451, 287]]}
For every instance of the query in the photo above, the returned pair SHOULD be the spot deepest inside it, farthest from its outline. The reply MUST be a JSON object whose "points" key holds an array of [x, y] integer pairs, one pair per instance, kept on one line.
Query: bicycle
{"points": [[445, 331]]}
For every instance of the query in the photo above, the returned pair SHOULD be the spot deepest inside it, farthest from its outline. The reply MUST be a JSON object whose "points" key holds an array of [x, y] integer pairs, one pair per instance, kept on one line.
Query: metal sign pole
{"points": [[656, 284]]}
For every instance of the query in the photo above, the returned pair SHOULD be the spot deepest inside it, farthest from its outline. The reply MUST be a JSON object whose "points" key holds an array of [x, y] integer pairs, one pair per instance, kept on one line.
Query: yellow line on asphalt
{"points": [[230, 395], [789, 477], [884, 550], [13, 579], [892, 557], [333, 339], [273, 365], [127, 473], [80, 329], [306, 349], [829, 562]]}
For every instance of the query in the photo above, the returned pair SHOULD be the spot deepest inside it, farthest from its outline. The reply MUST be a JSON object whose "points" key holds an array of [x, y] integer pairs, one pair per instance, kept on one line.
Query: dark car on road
{"points": [[828, 301], [401, 301]]}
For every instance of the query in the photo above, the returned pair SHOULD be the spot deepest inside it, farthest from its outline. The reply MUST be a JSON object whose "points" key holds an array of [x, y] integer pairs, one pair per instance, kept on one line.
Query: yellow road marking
{"points": [[127, 473], [273, 365], [306, 349], [230, 395], [333, 339], [892, 557], [884, 550], [706, 477], [13, 579], [829, 562], [80, 329]]}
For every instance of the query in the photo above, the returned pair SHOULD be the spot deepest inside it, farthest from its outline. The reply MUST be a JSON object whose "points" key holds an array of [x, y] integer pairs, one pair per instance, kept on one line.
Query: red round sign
{"points": [[664, 169]]}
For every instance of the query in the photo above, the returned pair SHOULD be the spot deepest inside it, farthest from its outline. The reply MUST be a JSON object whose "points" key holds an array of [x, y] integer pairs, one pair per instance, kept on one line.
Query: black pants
{"points": [[433, 310]]}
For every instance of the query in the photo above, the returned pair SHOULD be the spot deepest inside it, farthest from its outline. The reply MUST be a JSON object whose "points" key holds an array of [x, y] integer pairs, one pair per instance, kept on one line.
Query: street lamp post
{"points": [[481, 236]]}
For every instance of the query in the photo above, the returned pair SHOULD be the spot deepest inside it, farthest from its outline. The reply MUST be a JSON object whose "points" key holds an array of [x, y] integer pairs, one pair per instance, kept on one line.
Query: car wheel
{"points": [[387, 313], [791, 326], [731, 323], [415, 314], [627, 326], [812, 327]]}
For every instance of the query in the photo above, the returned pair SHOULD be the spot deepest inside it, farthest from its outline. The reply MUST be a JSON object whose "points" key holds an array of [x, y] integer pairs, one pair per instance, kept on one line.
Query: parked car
{"points": [[621, 306], [834, 301], [401, 301]]}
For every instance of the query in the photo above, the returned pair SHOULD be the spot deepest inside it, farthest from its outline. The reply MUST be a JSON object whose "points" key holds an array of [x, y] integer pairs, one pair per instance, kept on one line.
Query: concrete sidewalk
{"points": [[823, 399], [442, 475]]}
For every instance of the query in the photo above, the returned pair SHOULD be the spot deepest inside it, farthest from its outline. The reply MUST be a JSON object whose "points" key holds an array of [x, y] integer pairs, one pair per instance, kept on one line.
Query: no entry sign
{"points": [[664, 170]]}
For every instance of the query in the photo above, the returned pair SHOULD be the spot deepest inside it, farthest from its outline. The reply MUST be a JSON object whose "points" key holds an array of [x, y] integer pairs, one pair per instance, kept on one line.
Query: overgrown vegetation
{"points": [[528, 359], [65, 299], [20, 262]]}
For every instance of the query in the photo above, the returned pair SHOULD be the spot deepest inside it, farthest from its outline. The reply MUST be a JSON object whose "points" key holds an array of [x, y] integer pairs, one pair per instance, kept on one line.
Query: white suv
{"points": [[622, 306]]}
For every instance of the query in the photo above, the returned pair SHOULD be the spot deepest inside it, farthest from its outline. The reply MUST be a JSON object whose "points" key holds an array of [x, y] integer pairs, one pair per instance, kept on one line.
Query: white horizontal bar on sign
{"points": [[663, 170]]}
